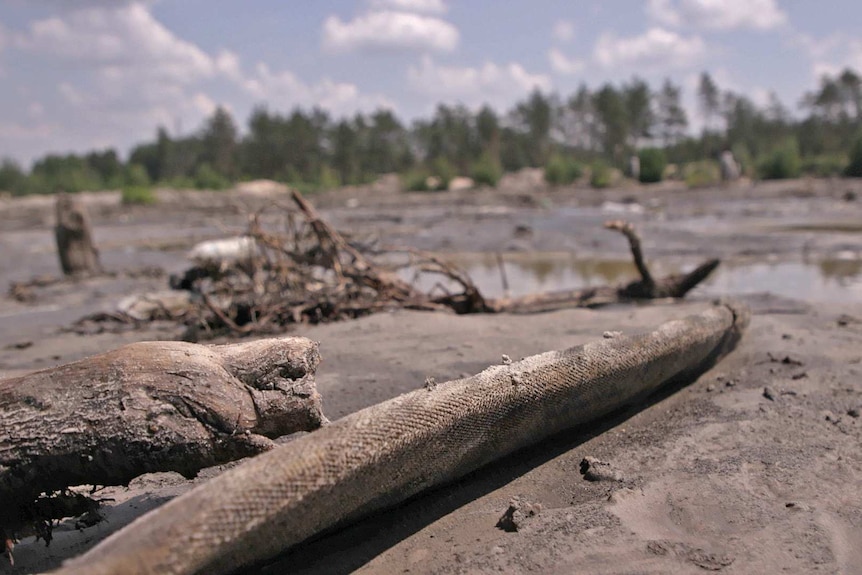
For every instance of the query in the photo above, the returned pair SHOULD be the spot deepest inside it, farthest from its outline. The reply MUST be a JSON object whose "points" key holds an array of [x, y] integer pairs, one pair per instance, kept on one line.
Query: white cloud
{"points": [[284, 89], [390, 30], [564, 31], [421, 6], [118, 73], [497, 85], [204, 104], [831, 54], [124, 36], [656, 48], [562, 64], [35, 111], [718, 14]]}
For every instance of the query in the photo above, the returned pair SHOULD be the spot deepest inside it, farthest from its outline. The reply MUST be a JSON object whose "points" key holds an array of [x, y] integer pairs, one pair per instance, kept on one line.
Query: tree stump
{"points": [[78, 254]]}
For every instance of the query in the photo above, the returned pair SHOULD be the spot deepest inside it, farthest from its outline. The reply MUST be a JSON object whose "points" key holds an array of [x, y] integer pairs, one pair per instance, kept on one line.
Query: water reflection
{"points": [[827, 279]]}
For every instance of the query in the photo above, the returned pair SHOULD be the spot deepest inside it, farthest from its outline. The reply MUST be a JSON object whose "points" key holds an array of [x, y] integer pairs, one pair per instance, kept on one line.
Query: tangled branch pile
{"points": [[310, 273]]}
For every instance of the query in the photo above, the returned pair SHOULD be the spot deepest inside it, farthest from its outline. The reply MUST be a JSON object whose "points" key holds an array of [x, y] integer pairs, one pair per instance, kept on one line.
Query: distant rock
{"points": [[525, 178], [261, 188], [461, 183], [225, 252]]}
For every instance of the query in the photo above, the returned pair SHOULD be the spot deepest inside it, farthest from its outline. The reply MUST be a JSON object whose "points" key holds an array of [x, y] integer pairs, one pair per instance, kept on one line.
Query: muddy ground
{"points": [[755, 467]]}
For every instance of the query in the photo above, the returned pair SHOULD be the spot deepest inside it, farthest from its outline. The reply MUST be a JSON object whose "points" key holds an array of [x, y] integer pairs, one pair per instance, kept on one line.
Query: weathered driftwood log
{"points": [[145, 407], [78, 253], [381, 455]]}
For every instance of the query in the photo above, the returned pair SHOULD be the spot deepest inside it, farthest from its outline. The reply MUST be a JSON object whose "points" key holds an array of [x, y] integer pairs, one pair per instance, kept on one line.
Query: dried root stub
{"points": [[143, 408]]}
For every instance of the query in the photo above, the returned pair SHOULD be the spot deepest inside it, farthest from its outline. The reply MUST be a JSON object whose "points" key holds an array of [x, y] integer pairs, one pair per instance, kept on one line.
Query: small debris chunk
{"points": [[506, 360], [9, 545], [20, 345], [769, 394], [853, 412], [430, 383], [786, 360], [518, 514], [596, 470], [611, 334]]}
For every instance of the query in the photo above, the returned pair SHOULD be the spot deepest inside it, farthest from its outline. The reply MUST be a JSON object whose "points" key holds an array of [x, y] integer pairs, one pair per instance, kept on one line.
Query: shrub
{"points": [[138, 195], [743, 157], [653, 162], [782, 163], [702, 173], [136, 175], [206, 178], [179, 183], [415, 180], [562, 170], [443, 171], [487, 170], [12, 176], [824, 165], [600, 175], [854, 167], [328, 178], [436, 178]]}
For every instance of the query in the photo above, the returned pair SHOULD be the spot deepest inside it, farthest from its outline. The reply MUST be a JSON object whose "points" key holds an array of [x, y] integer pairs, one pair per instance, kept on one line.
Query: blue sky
{"points": [[84, 74]]}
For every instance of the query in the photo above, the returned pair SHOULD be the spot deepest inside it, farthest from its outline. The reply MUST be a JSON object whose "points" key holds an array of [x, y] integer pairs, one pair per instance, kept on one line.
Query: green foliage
{"points": [[69, 173], [534, 118], [742, 154], [433, 179], [562, 170], [328, 178], [206, 178], [12, 177], [824, 165], [783, 162], [702, 173], [136, 175], [653, 162], [311, 150], [179, 183], [219, 144], [486, 171], [442, 169], [415, 180], [854, 167], [610, 108], [138, 195], [600, 175]]}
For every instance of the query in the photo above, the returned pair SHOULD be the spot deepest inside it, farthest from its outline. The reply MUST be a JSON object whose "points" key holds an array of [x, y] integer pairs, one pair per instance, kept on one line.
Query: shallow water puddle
{"points": [[834, 280]]}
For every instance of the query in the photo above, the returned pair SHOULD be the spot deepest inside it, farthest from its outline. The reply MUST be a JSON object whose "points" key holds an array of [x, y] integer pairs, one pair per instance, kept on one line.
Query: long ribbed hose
{"points": [[391, 451]]}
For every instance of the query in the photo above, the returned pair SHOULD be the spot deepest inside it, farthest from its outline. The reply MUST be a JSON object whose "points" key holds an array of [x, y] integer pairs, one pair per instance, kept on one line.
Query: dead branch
{"points": [[145, 407], [628, 230], [311, 273], [673, 286]]}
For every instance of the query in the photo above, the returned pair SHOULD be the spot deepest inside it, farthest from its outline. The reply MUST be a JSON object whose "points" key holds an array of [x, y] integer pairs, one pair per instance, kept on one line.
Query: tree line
{"points": [[603, 126]]}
